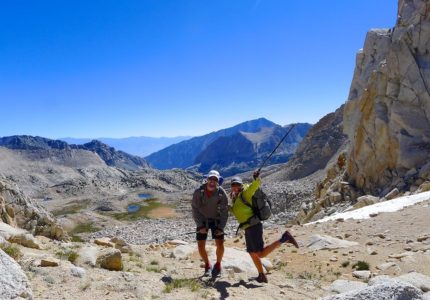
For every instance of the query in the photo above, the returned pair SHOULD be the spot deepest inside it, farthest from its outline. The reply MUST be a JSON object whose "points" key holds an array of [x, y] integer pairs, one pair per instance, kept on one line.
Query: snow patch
{"points": [[386, 206]]}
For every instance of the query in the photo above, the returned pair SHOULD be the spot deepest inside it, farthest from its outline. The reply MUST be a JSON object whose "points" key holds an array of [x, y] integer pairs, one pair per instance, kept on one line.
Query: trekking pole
{"points": [[279, 144]]}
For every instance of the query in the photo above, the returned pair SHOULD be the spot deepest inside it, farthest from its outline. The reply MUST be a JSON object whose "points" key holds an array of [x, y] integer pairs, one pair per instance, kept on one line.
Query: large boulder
{"points": [[18, 236], [416, 279], [365, 201], [49, 262], [239, 261], [183, 251], [387, 113], [26, 240], [110, 259], [393, 290], [121, 245], [87, 255], [7, 231], [343, 286], [323, 242], [13, 282]]}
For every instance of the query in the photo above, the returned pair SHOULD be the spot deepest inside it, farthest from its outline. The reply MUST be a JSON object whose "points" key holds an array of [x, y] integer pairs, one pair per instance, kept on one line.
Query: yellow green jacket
{"points": [[240, 210]]}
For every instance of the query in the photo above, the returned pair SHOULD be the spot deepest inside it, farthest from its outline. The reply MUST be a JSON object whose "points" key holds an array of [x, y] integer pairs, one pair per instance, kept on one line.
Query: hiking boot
{"points": [[287, 237], [261, 278], [207, 270], [216, 270]]}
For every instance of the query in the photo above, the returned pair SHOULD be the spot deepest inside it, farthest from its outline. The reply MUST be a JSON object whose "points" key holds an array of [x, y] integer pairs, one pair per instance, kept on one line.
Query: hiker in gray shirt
{"points": [[210, 211]]}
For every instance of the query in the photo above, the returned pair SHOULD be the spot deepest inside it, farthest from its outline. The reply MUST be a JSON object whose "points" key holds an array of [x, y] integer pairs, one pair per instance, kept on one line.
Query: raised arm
{"points": [[250, 191]]}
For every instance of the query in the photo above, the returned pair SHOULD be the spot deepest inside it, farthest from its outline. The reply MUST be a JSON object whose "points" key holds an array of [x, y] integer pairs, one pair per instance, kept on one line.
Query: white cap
{"points": [[213, 173]]}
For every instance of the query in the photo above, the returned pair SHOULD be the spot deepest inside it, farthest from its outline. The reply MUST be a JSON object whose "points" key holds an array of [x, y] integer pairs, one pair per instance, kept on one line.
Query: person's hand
{"points": [[256, 175], [203, 230], [218, 232]]}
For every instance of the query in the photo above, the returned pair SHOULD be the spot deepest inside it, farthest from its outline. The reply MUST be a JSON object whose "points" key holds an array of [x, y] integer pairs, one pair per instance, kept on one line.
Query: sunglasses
{"points": [[213, 179]]}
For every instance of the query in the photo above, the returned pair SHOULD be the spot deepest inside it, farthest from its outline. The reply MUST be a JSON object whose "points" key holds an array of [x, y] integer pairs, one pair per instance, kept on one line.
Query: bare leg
{"points": [[257, 261], [219, 250], [202, 251], [268, 249]]}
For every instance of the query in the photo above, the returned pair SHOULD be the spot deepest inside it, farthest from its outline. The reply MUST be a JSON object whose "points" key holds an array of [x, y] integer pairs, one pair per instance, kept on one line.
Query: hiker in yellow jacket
{"points": [[251, 224]]}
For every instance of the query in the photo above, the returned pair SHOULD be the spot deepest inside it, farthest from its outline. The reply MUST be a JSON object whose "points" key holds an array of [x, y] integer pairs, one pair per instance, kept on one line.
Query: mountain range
{"points": [[231, 150], [140, 146], [45, 147]]}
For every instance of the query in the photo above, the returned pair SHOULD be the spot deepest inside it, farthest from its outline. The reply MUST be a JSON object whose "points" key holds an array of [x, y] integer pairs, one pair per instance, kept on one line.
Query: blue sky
{"points": [[176, 67]]}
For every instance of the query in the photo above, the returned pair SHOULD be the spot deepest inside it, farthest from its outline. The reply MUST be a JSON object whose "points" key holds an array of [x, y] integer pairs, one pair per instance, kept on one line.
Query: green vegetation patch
{"points": [[72, 207], [345, 264], [85, 227], [361, 266], [82, 228], [193, 284], [12, 250], [77, 239], [70, 255], [156, 269]]}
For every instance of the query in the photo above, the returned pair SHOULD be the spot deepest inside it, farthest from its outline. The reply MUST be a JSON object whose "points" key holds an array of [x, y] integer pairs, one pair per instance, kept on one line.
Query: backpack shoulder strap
{"points": [[244, 201], [202, 192]]}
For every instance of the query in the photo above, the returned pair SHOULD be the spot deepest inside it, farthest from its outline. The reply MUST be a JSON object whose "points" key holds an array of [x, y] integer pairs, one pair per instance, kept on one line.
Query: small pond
{"points": [[145, 196], [132, 208]]}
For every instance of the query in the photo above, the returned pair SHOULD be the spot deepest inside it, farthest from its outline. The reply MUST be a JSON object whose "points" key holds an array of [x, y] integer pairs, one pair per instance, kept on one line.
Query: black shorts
{"points": [[254, 238], [204, 236]]}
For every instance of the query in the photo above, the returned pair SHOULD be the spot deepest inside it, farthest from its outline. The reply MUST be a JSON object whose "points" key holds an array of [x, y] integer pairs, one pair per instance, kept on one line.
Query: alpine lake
{"points": [[143, 208]]}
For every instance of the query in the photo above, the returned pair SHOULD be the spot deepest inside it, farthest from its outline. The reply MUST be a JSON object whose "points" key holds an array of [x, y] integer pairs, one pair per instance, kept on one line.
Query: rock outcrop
{"points": [[13, 282], [387, 115], [385, 290], [18, 210]]}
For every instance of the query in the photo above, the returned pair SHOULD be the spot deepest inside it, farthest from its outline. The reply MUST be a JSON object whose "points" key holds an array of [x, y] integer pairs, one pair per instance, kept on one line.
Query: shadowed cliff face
{"points": [[387, 116], [319, 146]]}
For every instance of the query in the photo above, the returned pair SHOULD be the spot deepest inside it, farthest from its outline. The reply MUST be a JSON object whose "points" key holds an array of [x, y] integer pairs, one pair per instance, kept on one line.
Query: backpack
{"points": [[261, 205], [261, 208]]}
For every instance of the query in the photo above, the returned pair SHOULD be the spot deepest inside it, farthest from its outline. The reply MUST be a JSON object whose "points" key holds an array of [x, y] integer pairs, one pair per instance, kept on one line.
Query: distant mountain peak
{"points": [[241, 145]]}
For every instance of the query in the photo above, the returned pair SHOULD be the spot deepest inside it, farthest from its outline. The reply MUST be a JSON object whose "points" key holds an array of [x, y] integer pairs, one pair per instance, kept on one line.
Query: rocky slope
{"points": [[47, 147], [387, 114], [67, 173], [186, 153]]}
